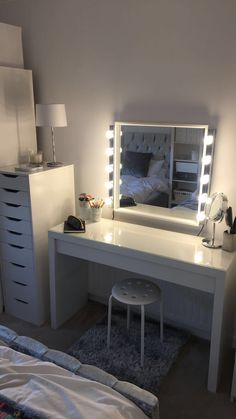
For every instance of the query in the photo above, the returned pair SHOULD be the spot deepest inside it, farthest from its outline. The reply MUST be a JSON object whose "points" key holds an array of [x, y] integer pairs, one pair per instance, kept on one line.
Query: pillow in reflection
{"points": [[155, 167], [135, 163]]}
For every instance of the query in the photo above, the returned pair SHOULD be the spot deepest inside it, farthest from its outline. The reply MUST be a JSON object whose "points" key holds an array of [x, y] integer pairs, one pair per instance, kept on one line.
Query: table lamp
{"points": [[51, 115]]}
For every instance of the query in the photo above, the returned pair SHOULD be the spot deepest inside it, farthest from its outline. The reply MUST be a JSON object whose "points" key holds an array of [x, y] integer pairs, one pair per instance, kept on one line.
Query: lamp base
{"points": [[54, 164], [211, 244]]}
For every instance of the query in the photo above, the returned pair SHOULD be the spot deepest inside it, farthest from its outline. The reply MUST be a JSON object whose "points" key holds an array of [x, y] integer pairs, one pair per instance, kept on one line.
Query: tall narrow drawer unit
{"points": [[30, 204]]}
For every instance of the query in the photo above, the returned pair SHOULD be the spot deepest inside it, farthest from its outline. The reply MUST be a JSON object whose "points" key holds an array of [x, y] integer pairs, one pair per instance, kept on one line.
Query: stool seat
{"points": [[136, 291]]}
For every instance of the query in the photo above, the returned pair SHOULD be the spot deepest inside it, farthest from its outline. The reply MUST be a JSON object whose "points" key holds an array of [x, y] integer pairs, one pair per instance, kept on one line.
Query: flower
{"points": [[85, 197]]}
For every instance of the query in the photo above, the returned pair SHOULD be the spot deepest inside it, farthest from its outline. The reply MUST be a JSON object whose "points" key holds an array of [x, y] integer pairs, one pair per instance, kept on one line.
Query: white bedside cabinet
{"points": [[30, 204]]}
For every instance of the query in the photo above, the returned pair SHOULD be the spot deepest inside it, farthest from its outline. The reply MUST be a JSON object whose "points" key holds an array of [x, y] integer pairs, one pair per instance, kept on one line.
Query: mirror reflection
{"points": [[159, 166]]}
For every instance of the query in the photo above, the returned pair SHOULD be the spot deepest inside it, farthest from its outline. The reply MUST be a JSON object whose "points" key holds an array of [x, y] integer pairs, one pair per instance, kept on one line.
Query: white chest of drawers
{"points": [[30, 204]]}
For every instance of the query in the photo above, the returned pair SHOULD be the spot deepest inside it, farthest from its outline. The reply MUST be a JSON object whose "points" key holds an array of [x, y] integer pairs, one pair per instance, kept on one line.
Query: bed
{"points": [[38, 382], [145, 167]]}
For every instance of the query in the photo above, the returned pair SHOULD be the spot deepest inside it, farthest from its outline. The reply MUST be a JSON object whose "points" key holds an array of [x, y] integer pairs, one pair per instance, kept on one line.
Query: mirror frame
{"points": [[141, 212]]}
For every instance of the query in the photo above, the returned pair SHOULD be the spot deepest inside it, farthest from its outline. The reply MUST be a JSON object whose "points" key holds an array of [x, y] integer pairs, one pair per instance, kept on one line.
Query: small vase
{"points": [[96, 214], [84, 210], [229, 242]]}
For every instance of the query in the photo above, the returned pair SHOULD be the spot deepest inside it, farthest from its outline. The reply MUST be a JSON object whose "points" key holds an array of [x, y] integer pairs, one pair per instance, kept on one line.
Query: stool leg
{"points": [[161, 320], [109, 323], [142, 334], [128, 316]]}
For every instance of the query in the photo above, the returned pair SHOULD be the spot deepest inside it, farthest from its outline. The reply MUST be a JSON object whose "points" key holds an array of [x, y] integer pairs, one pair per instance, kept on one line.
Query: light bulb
{"points": [[109, 184], [108, 201], [203, 198], [109, 151], [205, 179], [109, 168], [209, 139], [110, 134], [206, 160]]}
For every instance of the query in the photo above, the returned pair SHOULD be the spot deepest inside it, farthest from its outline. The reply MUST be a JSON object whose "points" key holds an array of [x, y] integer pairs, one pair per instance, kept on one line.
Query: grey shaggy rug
{"points": [[123, 359]]}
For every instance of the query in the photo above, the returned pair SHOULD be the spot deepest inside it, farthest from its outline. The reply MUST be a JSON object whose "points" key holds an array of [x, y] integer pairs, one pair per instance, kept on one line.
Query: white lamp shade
{"points": [[51, 115]]}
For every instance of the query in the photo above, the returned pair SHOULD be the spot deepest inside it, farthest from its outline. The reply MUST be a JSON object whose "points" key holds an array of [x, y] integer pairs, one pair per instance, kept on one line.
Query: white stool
{"points": [[134, 292]]}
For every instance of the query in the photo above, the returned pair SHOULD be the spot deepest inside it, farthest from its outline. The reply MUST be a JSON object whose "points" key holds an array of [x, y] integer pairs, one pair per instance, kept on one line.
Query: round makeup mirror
{"points": [[215, 210]]}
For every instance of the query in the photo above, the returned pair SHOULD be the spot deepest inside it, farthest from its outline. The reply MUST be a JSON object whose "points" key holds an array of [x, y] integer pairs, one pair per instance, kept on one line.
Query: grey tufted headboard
{"points": [[157, 143]]}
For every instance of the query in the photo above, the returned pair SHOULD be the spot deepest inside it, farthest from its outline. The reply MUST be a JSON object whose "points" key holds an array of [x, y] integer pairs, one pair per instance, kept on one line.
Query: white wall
{"points": [[155, 60]]}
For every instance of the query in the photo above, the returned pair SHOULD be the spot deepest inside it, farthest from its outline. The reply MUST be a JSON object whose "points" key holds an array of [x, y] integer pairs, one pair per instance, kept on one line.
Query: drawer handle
{"points": [[10, 190], [21, 301], [12, 205], [8, 175], [20, 283], [15, 245], [14, 232], [13, 219], [17, 264]]}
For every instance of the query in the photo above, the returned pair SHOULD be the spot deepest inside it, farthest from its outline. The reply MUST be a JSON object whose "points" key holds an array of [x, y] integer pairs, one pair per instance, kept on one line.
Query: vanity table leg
{"points": [[68, 285], [220, 331]]}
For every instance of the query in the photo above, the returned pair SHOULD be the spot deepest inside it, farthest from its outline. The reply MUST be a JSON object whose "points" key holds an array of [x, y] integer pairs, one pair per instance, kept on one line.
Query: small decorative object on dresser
{"points": [[96, 209], [229, 236], [35, 158], [51, 115], [84, 207]]}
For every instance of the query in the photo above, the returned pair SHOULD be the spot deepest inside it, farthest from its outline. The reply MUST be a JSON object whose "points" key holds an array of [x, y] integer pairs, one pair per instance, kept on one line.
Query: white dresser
{"points": [[30, 204]]}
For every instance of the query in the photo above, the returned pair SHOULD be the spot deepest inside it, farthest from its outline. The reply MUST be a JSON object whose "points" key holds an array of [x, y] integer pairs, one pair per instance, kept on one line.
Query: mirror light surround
{"points": [[208, 143]]}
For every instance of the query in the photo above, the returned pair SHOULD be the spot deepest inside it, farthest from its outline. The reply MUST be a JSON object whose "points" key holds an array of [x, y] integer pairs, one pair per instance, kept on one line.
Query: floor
{"points": [[183, 393]]}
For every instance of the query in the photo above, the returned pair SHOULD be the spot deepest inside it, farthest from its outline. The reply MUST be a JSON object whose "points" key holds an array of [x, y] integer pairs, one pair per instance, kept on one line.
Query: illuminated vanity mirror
{"points": [[161, 171]]}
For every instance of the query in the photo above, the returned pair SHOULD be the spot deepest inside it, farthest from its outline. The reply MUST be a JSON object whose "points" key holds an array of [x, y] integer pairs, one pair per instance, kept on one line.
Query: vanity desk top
{"points": [[120, 237]]}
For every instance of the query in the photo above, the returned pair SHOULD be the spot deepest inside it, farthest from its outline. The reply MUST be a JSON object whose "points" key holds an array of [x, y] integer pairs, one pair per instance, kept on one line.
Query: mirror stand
{"points": [[215, 209], [211, 242]]}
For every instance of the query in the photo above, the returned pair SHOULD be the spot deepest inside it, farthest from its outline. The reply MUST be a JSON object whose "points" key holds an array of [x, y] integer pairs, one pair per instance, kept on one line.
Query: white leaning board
{"points": [[17, 121], [11, 51]]}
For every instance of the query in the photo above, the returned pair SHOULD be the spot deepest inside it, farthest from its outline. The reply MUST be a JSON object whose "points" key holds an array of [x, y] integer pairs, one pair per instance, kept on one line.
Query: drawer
{"points": [[15, 224], [13, 237], [17, 272], [14, 181], [19, 308], [15, 211], [13, 196], [19, 291], [17, 254]]}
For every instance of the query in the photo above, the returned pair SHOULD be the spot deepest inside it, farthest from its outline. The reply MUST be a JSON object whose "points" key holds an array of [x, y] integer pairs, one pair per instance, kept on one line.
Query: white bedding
{"points": [[141, 188], [58, 393]]}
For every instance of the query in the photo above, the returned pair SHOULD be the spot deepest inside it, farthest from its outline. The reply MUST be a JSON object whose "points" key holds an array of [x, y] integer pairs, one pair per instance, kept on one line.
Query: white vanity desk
{"points": [[174, 257]]}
